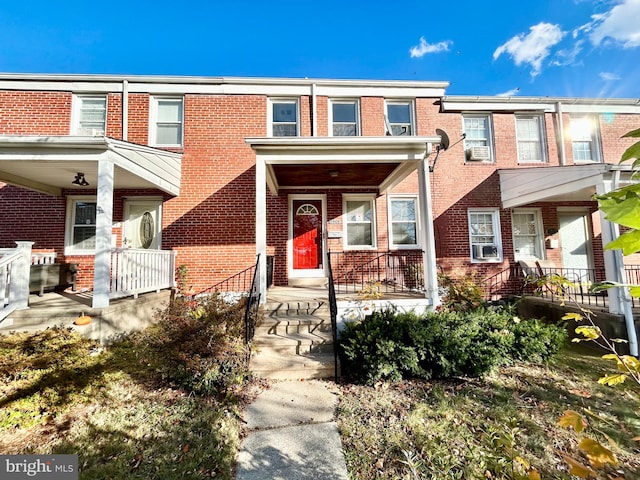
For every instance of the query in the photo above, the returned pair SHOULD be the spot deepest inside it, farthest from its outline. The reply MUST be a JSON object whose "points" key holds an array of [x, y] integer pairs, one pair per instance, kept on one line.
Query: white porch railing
{"points": [[14, 278], [135, 271]]}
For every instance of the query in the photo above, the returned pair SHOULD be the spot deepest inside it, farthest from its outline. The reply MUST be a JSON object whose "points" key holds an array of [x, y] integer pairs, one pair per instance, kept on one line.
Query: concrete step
{"points": [[295, 343], [277, 366], [284, 327]]}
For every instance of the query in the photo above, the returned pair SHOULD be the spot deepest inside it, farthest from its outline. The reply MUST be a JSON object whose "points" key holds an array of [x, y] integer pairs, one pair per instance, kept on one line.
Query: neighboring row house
{"points": [[217, 170]]}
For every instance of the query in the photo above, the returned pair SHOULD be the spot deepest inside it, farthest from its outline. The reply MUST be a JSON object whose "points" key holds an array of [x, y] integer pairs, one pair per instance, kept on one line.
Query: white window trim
{"points": [[374, 237], [153, 120], [539, 236], [543, 138], [412, 112], [495, 216], [347, 101], [597, 141], [490, 142], [69, 248], [271, 101], [76, 106], [393, 246]]}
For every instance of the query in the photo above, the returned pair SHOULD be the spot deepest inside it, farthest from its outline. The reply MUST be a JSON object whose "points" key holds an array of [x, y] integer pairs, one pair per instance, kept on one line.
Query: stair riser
{"points": [[292, 350], [263, 330]]}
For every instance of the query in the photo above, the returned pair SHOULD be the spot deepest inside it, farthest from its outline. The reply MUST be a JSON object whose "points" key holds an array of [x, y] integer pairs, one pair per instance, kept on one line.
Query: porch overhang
{"points": [[48, 164], [374, 163], [523, 186]]}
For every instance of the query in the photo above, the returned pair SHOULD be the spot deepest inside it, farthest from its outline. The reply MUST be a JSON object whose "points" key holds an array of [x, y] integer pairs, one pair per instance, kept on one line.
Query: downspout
{"points": [[314, 123], [624, 296], [561, 151], [125, 110]]}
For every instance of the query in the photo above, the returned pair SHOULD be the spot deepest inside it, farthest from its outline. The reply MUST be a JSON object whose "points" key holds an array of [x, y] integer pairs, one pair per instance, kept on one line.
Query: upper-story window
{"points": [[530, 138], [344, 118], [585, 138], [89, 115], [478, 144], [400, 117], [283, 119], [166, 127]]}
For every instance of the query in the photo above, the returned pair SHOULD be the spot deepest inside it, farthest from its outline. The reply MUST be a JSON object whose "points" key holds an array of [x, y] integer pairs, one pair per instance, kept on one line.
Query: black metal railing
{"points": [[253, 304], [632, 273], [389, 271], [578, 287], [240, 282], [504, 284], [333, 310]]}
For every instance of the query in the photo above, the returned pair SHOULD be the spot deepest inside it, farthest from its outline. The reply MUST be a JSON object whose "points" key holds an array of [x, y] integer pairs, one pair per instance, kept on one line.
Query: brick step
{"points": [[277, 366]]}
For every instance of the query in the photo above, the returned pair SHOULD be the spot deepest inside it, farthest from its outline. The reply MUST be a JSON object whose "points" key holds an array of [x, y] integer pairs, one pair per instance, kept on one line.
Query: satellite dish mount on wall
{"points": [[444, 144]]}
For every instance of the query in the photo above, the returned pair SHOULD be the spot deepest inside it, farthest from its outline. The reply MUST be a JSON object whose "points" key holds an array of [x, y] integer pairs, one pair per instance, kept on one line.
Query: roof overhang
{"points": [[48, 164], [540, 104], [523, 186], [373, 163]]}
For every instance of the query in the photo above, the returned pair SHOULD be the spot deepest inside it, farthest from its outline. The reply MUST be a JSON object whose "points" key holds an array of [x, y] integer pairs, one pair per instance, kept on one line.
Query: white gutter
{"points": [[624, 296], [561, 150]]}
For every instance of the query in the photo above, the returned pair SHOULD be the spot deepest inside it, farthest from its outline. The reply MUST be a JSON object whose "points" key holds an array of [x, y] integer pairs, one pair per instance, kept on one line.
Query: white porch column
{"points": [[104, 218], [428, 238], [261, 225], [619, 298], [19, 293]]}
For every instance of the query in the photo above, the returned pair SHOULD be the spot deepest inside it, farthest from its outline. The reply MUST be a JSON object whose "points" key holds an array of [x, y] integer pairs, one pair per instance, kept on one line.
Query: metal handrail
{"points": [[333, 310], [253, 303]]}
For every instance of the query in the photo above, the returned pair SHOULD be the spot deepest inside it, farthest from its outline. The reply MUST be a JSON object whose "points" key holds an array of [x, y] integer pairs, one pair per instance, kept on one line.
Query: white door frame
{"points": [[316, 273]]}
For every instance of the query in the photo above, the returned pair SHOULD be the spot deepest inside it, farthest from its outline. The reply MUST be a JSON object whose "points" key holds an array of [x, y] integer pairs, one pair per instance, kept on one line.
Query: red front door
{"points": [[307, 234]]}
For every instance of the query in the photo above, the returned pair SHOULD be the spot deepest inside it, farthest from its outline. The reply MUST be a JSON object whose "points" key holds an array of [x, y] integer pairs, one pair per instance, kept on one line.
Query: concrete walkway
{"points": [[292, 434]]}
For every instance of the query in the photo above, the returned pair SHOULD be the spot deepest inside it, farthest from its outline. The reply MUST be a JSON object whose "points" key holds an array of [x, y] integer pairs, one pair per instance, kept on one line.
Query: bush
{"points": [[391, 346], [199, 345]]}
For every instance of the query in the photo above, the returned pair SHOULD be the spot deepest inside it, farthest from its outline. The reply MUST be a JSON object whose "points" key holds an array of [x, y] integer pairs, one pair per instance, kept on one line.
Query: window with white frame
{"points": [[530, 138], [359, 221], [400, 117], [89, 115], [284, 118], [344, 118], [403, 220], [585, 138], [167, 121], [526, 226], [81, 225], [478, 145], [484, 235]]}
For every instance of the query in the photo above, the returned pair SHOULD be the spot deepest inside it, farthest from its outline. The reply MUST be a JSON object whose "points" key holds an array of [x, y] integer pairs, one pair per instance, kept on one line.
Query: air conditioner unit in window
{"points": [[484, 252], [90, 132], [479, 154]]}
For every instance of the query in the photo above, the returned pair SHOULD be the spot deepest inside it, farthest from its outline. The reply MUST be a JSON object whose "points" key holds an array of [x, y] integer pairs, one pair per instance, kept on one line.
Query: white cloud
{"points": [[619, 25], [568, 57], [609, 76], [423, 48], [533, 47], [509, 93]]}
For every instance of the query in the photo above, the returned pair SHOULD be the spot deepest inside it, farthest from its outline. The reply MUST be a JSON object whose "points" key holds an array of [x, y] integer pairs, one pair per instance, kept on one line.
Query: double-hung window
{"points": [[167, 120], [530, 138], [344, 118], [89, 115], [359, 221], [585, 139], [527, 234], [399, 117], [477, 141], [81, 225], [284, 118], [403, 219], [484, 235]]}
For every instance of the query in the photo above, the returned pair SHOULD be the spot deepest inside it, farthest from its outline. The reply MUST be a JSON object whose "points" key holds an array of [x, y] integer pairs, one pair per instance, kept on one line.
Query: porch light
{"points": [[334, 173], [80, 180]]}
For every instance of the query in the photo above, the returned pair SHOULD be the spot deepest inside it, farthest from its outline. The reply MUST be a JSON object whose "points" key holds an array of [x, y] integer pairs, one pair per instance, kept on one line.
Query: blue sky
{"points": [[569, 48]]}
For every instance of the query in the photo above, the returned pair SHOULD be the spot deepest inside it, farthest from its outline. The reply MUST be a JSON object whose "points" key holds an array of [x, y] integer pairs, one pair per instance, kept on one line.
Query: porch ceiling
{"points": [[376, 163], [522, 186], [48, 164]]}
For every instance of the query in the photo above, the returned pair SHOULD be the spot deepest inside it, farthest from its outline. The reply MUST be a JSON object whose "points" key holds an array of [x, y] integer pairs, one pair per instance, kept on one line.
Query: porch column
{"points": [[261, 225], [619, 298], [428, 238], [104, 218], [19, 293]]}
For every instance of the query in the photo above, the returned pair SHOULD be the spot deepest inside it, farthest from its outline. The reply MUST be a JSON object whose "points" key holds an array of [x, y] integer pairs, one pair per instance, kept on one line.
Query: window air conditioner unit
{"points": [[484, 252], [90, 132], [479, 153]]}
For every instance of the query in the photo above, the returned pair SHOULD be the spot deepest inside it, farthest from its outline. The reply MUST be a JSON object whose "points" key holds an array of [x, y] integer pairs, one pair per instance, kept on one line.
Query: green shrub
{"points": [[199, 345], [445, 344]]}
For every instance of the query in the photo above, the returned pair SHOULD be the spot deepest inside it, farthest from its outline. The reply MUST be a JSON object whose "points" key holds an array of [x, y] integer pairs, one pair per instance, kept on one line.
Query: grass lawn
{"points": [[60, 393], [503, 426]]}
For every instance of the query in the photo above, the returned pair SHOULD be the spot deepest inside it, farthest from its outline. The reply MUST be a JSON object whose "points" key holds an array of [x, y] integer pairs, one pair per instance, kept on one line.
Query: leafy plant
{"points": [[462, 291]]}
